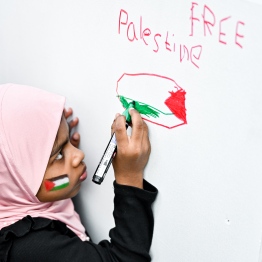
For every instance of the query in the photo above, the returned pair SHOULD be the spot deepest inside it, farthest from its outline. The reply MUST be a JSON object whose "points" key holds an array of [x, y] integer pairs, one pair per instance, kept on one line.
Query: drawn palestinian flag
{"points": [[56, 183], [159, 99]]}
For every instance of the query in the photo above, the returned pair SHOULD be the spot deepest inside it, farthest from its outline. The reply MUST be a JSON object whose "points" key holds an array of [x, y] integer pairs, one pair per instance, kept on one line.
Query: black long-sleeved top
{"points": [[41, 239]]}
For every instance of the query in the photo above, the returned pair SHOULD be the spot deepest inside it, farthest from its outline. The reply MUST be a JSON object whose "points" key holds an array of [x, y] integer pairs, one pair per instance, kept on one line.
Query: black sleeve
{"points": [[49, 240]]}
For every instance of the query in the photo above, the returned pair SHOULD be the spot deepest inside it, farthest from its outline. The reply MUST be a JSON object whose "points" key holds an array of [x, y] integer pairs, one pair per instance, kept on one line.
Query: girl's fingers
{"points": [[68, 112], [75, 139], [138, 126], [113, 124], [119, 127], [146, 137], [73, 123]]}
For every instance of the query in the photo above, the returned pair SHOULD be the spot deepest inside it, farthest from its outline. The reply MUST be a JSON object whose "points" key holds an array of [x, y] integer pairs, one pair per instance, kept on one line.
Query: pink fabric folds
{"points": [[29, 120]]}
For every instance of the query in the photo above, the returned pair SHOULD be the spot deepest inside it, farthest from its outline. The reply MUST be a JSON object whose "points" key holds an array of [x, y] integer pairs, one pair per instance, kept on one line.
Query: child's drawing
{"points": [[159, 99]]}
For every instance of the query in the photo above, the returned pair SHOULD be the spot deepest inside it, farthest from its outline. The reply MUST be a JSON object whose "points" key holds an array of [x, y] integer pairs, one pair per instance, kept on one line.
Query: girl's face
{"points": [[65, 170]]}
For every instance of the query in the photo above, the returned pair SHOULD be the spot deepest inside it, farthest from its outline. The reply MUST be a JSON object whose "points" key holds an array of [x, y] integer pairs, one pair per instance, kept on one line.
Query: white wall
{"points": [[208, 171]]}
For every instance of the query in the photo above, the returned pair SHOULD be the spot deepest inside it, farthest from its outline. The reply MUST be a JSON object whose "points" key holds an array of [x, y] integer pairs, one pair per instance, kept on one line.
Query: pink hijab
{"points": [[29, 120]]}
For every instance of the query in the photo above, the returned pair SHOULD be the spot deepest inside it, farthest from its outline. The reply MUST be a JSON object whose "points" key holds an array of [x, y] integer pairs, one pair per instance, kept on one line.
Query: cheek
{"points": [[45, 195], [53, 189], [61, 187]]}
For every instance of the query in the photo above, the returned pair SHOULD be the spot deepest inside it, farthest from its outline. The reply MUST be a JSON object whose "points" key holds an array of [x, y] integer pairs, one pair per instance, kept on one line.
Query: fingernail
{"points": [[116, 116], [75, 136]]}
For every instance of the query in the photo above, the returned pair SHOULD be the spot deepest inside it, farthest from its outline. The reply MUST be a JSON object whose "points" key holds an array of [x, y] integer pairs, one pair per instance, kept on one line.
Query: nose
{"points": [[78, 156]]}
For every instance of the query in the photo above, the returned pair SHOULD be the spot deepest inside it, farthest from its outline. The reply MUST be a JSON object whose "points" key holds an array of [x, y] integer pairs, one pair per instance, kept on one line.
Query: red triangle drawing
{"points": [[49, 185], [176, 104]]}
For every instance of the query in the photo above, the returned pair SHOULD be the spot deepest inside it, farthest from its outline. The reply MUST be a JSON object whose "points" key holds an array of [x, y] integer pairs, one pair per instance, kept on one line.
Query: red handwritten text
{"points": [[209, 22], [137, 32], [202, 21]]}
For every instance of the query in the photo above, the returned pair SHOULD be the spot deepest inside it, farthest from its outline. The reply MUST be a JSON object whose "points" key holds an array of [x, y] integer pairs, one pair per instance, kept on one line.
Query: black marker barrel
{"points": [[105, 161], [110, 151]]}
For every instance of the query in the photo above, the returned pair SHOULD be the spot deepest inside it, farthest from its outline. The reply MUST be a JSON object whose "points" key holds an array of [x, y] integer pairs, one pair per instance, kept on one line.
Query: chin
{"points": [[75, 191]]}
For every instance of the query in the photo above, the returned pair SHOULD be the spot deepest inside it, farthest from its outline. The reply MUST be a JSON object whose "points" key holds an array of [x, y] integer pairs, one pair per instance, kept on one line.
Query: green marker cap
{"points": [[126, 112]]}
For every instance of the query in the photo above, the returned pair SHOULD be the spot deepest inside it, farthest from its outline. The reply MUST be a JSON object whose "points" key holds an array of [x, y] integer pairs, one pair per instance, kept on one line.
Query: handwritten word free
{"points": [[210, 23]]}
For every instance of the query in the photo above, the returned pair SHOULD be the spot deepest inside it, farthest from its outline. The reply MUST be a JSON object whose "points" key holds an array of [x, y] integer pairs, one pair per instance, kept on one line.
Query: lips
{"points": [[84, 175]]}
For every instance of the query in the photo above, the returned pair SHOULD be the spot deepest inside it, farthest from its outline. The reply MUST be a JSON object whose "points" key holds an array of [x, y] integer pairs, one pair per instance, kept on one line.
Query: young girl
{"points": [[41, 168]]}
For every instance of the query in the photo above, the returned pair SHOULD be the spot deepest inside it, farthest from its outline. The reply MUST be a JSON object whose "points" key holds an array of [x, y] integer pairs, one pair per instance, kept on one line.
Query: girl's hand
{"points": [[132, 152], [75, 137]]}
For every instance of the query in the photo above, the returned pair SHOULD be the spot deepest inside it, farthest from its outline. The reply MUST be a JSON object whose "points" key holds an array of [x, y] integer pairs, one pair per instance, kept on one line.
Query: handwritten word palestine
{"points": [[192, 54]]}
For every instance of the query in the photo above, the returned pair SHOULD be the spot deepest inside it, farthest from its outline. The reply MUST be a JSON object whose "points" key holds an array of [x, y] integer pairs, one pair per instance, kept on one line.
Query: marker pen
{"points": [[110, 151]]}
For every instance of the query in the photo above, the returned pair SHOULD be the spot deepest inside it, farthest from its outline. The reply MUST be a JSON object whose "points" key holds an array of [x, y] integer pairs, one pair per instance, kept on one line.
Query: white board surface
{"points": [[208, 169]]}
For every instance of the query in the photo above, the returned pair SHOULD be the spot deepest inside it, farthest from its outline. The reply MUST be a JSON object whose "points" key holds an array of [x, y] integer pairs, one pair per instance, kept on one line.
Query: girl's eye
{"points": [[59, 156]]}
